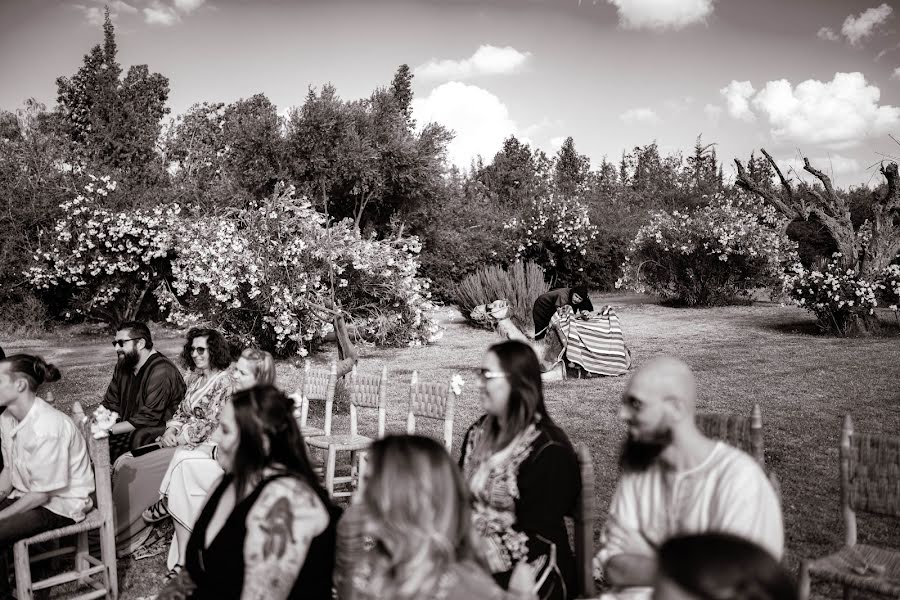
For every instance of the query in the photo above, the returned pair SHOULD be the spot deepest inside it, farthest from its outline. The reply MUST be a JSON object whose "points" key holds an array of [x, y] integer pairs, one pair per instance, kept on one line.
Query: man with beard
{"points": [[676, 481], [145, 390]]}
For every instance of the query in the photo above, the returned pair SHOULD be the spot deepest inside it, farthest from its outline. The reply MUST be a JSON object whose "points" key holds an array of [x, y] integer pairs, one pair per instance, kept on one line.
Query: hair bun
{"points": [[46, 372]]}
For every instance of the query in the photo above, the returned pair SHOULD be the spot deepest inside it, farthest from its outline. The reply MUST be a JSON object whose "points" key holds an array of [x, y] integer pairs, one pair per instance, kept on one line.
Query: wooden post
{"points": [[410, 415], [449, 412], [847, 510], [382, 402], [756, 436], [329, 397]]}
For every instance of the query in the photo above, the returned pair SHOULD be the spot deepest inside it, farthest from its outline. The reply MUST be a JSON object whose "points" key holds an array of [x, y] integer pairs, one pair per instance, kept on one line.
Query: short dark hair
{"points": [[137, 329], [33, 369], [218, 348], [581, 290], [721, 565]]}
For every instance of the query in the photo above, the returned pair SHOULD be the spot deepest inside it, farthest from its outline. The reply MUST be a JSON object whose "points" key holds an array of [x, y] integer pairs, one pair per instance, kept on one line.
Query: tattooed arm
{"points": [[280, 527]]}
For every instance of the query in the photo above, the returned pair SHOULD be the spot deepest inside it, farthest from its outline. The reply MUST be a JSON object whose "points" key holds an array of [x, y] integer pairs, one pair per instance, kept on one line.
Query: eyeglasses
{"points": [[199, 350], [121, 343], [485, 374]]}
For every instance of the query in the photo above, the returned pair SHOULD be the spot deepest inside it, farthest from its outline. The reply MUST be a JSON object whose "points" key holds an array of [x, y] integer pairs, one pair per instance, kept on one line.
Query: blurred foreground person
{"points": [[268, 528], [718, 566]]}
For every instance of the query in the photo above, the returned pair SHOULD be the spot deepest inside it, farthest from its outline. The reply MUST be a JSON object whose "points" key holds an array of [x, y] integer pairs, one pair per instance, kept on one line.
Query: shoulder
{"points": [[553, 441], [51, 421], [294, 489], [737, 467], [477, 425]]}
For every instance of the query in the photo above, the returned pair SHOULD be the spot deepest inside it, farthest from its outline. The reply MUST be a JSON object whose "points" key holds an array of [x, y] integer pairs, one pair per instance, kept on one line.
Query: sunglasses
{"points": [[121, 343], [198, 350], [485, 374]]}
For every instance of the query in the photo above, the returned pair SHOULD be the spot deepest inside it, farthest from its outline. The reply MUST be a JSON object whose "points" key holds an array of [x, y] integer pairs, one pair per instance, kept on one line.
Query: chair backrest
{"points": [[870, 476], [318, 385], [431, 401], [741, 431], [98, 449], [584, 524], [368, 391]]}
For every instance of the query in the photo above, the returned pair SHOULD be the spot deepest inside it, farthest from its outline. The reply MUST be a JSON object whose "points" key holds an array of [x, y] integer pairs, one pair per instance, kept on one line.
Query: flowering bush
{"points": [[104, 262], [554, 231], [890, 283], [709, 256]]}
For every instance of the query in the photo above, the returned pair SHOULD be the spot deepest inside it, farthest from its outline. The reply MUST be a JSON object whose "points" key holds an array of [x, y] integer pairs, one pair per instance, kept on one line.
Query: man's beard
{"points": [[638, 455], [129, 360]]}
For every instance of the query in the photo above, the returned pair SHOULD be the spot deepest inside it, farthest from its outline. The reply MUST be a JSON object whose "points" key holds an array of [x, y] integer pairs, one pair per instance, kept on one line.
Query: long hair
{"points": [[269, 437], [719, 566], [418, 509], [217, 346], [526, 395], [33, 369], [263, 365]]}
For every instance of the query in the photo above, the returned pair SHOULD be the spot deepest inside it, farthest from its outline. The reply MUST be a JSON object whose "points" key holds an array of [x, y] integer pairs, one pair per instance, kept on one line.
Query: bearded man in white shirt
{"points": [[676, 481]]}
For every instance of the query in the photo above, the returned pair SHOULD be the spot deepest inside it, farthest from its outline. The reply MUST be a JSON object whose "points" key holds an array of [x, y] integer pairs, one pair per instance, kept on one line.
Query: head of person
{"points": [[718, 566], [578, 294], [205, 350], [512, 393], [132, 342], [254, 367], [658, 402], [22, 375], [257, 429], [418, 514]]}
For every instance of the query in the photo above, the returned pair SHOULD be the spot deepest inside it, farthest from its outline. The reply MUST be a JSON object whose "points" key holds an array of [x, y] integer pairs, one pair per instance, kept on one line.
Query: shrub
{"points": [[890, 283], [520, 284], [709, 256]]}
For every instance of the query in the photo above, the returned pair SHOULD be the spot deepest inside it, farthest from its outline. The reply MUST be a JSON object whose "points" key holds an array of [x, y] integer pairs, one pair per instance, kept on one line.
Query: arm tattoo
{"points": [[278, 529]]}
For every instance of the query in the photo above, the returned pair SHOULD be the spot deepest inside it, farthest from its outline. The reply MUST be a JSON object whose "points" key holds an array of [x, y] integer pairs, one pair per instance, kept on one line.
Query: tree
{"points": [[113, 124], [253, 146], [401, 91], [571, 169], [701, 168], [512, 177]]}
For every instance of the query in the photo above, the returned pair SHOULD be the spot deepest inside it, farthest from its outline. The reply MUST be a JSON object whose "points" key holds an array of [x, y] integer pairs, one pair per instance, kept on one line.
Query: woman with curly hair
{"points": [[415, 508], [137, 475]]}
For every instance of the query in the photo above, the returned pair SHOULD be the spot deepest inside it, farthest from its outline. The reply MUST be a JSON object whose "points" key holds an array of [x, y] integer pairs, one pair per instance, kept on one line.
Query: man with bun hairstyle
{"points": [[47, 480], [546, 304]]}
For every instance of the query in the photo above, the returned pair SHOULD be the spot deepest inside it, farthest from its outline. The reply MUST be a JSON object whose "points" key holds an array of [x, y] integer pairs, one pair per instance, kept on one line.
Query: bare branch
{"points": [[785, 183], [743, 181]]}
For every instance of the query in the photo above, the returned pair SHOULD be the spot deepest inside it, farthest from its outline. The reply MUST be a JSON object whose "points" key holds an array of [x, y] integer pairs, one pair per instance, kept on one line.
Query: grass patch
{"points": [[804, 384]]}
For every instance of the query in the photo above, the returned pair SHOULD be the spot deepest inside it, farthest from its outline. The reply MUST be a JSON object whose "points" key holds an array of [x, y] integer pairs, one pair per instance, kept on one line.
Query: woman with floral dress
{"points": [[136, 479], [522, 473]]}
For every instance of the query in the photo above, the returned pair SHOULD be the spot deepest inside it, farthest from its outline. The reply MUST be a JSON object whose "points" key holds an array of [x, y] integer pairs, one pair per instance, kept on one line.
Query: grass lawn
{"points": [[804, 382]]}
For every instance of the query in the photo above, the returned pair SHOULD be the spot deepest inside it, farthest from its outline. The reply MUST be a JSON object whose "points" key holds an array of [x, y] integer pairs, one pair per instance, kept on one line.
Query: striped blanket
{"points": [[596, 345]]}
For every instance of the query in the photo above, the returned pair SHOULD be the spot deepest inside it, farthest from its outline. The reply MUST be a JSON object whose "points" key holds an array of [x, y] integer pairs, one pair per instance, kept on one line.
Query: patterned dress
{"points": [[198, 414], [520, 495]]}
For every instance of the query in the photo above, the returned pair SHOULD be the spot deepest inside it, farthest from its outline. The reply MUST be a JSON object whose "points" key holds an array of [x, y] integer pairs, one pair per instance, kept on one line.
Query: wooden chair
{"points": [[434, 401], [87, 568], [743, 432], [350, 549], [583, 517], [317, 385], [870, 483], [366, 391]]}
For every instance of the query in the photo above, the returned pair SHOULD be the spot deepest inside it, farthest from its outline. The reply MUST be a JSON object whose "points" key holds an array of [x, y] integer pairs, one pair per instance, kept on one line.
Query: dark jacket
{"points": [[546, 304]]}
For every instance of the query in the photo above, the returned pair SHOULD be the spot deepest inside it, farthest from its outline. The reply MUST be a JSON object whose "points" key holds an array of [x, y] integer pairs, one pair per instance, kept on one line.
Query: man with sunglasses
{"points": [[145, 390]]}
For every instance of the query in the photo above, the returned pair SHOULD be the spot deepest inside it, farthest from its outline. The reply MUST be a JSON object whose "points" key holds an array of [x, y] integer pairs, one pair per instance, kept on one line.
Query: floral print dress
{"points": [[198, 414]]}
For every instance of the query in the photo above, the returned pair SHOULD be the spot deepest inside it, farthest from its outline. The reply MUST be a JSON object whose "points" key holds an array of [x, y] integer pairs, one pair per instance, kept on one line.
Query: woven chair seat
{"points": [[311, 432], [93, 520], [340, 442], [838, 567]]}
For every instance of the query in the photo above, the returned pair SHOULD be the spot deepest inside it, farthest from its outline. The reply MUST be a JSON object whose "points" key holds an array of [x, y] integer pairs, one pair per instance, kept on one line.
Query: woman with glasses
{"points": [[268, 528], [137, 475], [415, 508], [194, 472], [522, 473]]}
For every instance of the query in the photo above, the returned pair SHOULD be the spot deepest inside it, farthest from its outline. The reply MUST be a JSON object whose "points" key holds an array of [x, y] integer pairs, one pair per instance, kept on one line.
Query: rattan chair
{"points": [[366, 391], [100, 574], [870, 483], [583, 516], [434, 401], [318, 385]]}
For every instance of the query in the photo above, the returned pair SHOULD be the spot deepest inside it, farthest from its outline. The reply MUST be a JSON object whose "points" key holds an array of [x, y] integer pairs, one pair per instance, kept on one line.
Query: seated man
{"points": [[47, 479], [145, 390], [676, 481], [546, 304]]}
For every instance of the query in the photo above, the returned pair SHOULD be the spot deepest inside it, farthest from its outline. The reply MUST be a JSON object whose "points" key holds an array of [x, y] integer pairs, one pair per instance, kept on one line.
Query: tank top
{"points": [[218, 571]]}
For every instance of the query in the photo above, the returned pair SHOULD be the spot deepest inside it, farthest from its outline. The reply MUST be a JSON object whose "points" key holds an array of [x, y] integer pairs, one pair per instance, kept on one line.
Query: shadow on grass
{"points": [[887, 329]]}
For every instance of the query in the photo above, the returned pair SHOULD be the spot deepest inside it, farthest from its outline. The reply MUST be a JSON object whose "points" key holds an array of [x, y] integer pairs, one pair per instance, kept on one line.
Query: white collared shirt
{"points": [[45, 452]]}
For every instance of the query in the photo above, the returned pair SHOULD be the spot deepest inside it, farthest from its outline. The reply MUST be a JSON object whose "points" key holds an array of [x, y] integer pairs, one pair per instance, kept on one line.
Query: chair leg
{"points": [[803, 582], [329, 469], [362, 457], [23, 572], [81, 553], [108, 556]]}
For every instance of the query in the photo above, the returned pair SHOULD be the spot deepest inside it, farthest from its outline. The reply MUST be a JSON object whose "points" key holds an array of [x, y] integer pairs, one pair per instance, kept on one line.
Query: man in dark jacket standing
{"points": [[546, 304], [145, 390]]}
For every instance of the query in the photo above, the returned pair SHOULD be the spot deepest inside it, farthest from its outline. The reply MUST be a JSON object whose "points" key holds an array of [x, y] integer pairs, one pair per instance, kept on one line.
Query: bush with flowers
{"points": [[890, 285], [711, 255], [101, 262], [554, 231]]}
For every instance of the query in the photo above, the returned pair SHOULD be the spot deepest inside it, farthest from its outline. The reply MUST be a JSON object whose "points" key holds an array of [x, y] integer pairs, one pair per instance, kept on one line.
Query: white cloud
{"points": [[479, 119], [160, 14], [557, 142], [487, 60], [94, 15], [737, 100], [713, 112], [661, 14], [639, 115], [188, 6], [827, 33], [838, 113], [857, 28], [896, 73]]}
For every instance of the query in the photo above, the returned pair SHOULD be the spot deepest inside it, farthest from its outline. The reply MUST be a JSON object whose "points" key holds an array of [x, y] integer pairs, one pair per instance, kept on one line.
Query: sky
{"points": [[815, 78]]}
